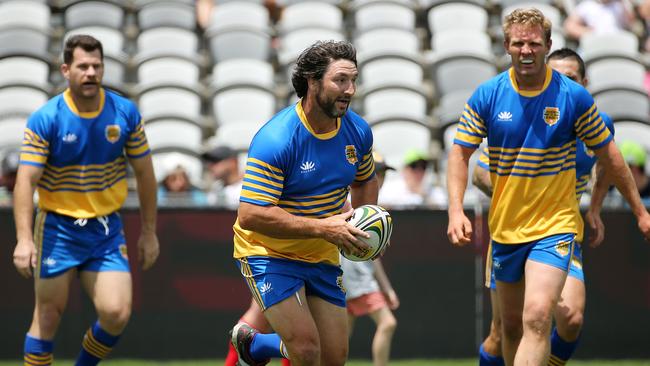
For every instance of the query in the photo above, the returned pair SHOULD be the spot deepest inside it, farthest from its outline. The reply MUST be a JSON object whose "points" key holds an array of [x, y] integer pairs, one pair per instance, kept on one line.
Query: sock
{"points": [[96, 345], [37, 352], [285, 362], [561, 350], [266, 346], [486, 359], [231, 358]]}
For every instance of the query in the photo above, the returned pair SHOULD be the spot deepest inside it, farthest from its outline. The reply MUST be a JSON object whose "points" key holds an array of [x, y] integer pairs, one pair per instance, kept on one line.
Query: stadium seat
{"points": [[168, 70], [387, 41], [165, 160], [624, 104], [391, 70], [461, 41], [167, 14], [241, 104], [621, 44], [396, 102], [95, 14], [237, 136], [21, 100], [235, 14], [170, 101], [28, 14], [167, 41], [388, 132], [24, 41], [369, 15], [633, 130], [457, 15], [13, 128], [24, 70], [510, 3], [242, 71], [615, 73], [461, 72], [293, 43], [113, 40], [174, 133], [238, 43], [448, 112], [311, 14]]}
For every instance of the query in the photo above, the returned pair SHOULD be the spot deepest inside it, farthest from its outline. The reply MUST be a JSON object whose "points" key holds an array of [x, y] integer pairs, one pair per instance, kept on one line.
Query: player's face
{"points": [[568, 67], [85, 73], [337, 87], [527, 48]]}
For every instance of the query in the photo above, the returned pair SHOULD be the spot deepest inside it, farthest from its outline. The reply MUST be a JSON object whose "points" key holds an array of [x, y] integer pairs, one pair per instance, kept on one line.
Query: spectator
{"points": [[599, 16], [223, 166], [176, 189], [413, 189], [635, 156], [8, 177]]}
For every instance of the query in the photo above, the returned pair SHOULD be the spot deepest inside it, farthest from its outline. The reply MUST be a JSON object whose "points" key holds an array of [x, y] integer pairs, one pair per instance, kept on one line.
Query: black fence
{"points": [[185, 305]]}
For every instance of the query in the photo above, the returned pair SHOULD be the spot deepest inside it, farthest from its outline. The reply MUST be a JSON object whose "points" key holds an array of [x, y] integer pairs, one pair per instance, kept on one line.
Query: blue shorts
{"points": [[272, 280], [64, 242], [575, 270], [509, 260]]}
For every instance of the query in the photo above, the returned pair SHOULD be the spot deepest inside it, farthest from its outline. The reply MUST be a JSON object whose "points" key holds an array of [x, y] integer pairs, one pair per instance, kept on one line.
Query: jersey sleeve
{"points": [[484, 159], [608, 122], [472, 128], [264, 177], [137, 145], [590, 127], [36, 140], [366, 167]]}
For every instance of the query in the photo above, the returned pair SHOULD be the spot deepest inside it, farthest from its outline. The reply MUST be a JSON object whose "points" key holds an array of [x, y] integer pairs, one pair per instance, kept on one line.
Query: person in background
{"points": [[635, 156], [412, 189], [10, 162], [223, 166], [599, 16], [369, 292], [176, 189]]}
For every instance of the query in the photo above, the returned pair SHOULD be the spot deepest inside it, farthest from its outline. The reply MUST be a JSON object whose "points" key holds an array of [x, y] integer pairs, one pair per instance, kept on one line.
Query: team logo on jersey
{"points": [[351, 154], [551, 115], [124, 252], [562, 247], [575, 261], [113, 133]]}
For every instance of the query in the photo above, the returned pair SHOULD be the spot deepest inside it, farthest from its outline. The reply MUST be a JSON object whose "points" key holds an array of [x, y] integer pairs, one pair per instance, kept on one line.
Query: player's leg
{"points": [[545, 275], [51, 297], [255, 318], [111, 293], [331, 322], [569, 314], [381, 342], [351, 321], [490, 351]]}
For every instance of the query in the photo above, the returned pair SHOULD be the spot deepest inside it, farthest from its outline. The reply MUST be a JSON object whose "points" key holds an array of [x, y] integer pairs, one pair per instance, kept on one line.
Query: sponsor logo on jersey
{"points": [[551, 115], [69, 138], [562, 247], [351, 154], [504, 116], [307, 166], [113, 133]]}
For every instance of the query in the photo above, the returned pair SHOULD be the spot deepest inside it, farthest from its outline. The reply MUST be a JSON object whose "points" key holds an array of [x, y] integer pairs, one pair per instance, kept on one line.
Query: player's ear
{"points": [[65, 71]]}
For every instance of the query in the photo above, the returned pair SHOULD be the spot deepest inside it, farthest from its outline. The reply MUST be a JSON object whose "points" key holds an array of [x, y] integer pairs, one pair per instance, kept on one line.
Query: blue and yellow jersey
{"points": [[83, 153], [532, 144], [585, 159], [306, 174]]}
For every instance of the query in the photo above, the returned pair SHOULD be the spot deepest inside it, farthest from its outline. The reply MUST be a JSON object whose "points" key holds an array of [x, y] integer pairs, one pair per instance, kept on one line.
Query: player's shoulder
{"points": [[48, 112], [354, 120], [120, 102], [493, 86]]}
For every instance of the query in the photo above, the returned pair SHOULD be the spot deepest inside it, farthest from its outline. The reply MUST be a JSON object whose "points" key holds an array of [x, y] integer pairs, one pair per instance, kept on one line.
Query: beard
{"points": [[328, 105]]}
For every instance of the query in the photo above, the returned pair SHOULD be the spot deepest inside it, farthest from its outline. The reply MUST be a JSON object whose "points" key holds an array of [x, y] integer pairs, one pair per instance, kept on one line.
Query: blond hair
{"points": [[528, 17]]}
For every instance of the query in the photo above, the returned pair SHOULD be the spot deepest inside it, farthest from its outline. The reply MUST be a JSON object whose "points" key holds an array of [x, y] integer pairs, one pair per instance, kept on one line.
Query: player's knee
{"points": [[306, 351], [48, 316], [115, 317], [336, 357], [571, 325], [538, 320], [511, 326]]}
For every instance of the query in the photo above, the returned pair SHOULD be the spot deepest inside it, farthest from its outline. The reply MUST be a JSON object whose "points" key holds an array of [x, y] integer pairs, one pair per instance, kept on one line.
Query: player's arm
{"points": [[459, 230], [592, 216], [481, 180], [618, 171], [25, 255], [385, 285], [365, 193], [148, 246]]}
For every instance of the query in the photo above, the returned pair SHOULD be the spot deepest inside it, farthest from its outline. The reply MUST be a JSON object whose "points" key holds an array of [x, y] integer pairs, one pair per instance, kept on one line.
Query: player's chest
{"points": [[76, 140]]}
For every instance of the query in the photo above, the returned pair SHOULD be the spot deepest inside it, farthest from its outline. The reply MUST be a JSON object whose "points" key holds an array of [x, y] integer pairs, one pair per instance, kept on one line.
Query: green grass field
{"points": [[470, 362]]}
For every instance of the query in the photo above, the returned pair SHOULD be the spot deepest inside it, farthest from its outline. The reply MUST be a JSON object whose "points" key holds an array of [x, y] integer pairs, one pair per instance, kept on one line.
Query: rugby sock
{"points": [[561, 350], [266, 346], [231, 358], [37, 352], [96, 345], [486, 359], [285, 362]]}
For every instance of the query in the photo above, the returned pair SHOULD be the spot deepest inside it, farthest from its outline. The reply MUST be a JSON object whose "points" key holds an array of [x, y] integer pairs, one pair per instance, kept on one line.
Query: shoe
{"points": [[241, 337]]}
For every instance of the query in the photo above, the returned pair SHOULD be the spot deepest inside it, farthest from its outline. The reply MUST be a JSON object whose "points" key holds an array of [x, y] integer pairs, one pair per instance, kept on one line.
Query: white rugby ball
{"points": [[377, 222]]}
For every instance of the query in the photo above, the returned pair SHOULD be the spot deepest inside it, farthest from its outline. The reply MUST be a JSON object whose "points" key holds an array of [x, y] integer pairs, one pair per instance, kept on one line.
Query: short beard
{"points": [[328, 107]]}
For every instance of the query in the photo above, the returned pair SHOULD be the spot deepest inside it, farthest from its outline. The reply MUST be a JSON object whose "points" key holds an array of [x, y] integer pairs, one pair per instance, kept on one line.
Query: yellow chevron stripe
{"points": [[120, 160], [265, 173], [263, 180], [315, 201], [263, 188], [94, 347], [336, 204], [265, 165], [248, 276]]}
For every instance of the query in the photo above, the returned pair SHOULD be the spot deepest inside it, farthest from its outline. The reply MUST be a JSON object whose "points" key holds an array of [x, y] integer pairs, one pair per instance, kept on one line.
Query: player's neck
{"points": [[531, 82], [86, 104], [318, 121]]}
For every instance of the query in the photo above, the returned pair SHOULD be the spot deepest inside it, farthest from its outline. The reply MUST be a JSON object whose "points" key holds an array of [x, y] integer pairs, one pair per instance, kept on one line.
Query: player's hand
{"points": [[339, 232], [392, 299], [597, 227], [148, 250], [25, 257], [459, 230]]}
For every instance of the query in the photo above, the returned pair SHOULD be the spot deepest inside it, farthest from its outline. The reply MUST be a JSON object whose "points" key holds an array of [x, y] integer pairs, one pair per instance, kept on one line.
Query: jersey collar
{"points": [[530, 93], [67, 97], [320, 136]]}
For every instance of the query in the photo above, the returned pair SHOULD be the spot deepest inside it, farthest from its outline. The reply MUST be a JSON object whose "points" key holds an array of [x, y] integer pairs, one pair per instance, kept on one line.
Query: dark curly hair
{"points": [[313, 62]]}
